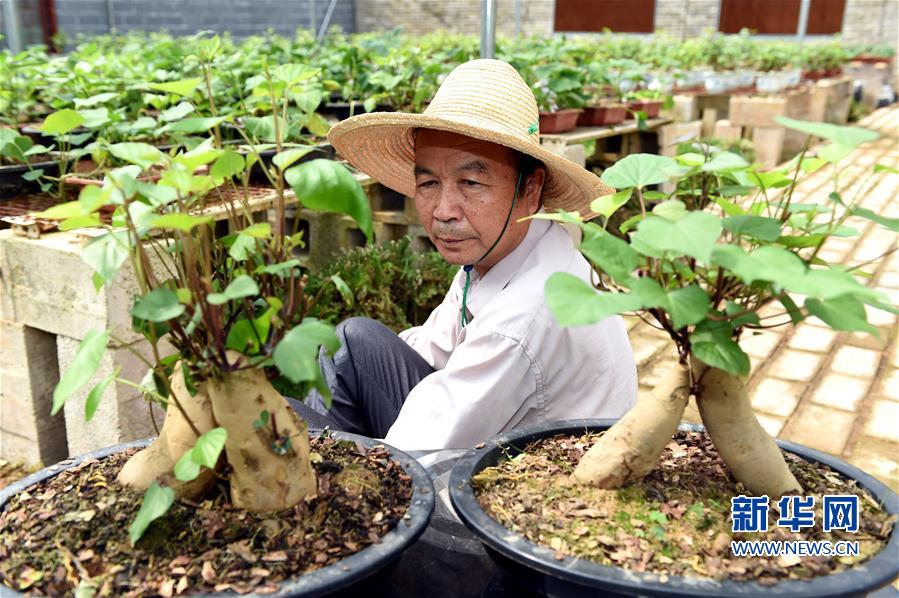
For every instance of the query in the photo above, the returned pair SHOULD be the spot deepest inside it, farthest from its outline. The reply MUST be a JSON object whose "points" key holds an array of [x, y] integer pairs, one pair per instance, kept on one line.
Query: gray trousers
{"points": [[370, 377]]}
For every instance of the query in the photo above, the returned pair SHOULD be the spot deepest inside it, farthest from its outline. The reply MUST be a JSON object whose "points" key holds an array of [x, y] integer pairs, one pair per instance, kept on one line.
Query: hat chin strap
{"points": [[467, 268]]}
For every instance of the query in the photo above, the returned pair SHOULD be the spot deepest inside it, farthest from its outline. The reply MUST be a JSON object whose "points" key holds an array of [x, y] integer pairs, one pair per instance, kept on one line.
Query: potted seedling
{"points": [[628, 509], [873, 53], [22, 162], [558, 90], [649, 102], [602, 109], [822, 61], [237, 495]]}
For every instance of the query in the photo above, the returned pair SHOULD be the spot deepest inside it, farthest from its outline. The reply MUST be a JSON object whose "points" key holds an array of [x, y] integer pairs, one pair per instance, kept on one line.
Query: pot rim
{"points": [[874, 573], [561, 111], [321, 581], [18, 168]]}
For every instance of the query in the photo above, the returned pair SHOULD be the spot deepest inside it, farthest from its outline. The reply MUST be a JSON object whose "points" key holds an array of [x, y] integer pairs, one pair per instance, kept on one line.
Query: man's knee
{"points": [[360, 329]]}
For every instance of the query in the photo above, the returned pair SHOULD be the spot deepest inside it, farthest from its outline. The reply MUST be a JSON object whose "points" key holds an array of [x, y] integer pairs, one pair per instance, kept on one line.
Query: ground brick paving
{"points": [[834, 391]]}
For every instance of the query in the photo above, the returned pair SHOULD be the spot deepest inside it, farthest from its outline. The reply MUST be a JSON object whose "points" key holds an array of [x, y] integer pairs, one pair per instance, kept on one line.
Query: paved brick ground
{"points": [[834, 391]]}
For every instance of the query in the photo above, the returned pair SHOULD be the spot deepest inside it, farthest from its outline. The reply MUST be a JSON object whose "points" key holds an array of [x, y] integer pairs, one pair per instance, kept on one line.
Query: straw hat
{"points": [[484, 99]]}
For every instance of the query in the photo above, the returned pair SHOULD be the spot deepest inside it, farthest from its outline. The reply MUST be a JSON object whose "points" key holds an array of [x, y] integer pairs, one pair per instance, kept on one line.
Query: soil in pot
{"points": [[75, 527], [814, 75], [600, 116], [559, 122], [676, 522]]}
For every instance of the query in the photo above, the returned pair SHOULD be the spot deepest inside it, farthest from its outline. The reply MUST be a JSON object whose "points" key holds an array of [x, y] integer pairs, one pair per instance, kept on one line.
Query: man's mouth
{"points": [[451, 242]]}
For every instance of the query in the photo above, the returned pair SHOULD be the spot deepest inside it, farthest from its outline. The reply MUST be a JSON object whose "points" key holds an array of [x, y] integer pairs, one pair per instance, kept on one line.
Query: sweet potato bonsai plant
{"points": [[701, 264], [222, 315], [639, 506], [226, 308]]}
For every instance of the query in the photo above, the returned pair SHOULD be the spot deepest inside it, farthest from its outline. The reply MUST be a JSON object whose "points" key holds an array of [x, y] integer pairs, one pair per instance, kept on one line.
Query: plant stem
{"points": [[786, 205], [216, 130]]}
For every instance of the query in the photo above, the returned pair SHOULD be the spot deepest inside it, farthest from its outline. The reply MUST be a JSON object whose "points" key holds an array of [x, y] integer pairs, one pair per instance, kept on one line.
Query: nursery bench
{"points": [[631, 137]]}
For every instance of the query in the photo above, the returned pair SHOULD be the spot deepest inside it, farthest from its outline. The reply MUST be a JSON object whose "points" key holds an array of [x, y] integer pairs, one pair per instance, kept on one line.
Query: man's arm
{"points": [[487, 381]]}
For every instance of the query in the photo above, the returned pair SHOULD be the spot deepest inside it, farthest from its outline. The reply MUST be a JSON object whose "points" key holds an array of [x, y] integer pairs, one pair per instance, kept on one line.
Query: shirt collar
{"points": [[484, 288]]}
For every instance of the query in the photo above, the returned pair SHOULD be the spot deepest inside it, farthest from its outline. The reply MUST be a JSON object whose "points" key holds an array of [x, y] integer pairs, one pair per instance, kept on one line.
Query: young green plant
{"points": [[700, 265], [216, 312]]}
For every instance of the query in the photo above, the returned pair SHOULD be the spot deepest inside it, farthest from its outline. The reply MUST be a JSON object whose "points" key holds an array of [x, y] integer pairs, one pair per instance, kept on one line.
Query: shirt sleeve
{"points": [[488, 381]]}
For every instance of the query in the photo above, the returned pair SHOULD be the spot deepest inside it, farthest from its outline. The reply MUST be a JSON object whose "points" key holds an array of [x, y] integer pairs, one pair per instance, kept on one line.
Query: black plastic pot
{"points": [[341, 110], [536, 570], [257, 175], [13, 185], [33, 130], [340, 577]]}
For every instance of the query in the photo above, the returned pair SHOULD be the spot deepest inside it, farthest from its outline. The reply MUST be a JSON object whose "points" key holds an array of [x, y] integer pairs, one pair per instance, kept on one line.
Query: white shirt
{"points": [[513, 364]]}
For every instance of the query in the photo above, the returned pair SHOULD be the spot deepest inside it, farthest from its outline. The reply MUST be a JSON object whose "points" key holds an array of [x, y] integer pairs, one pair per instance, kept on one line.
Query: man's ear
{"points": [[534, 190]]}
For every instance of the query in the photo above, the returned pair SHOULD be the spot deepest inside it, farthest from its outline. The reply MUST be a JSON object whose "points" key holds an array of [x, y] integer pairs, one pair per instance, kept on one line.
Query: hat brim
{"points": [[382, 145]]}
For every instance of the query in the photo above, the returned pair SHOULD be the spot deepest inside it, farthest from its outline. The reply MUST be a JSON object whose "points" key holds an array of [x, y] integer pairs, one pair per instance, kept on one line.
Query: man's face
{"points": [[464, 189]]}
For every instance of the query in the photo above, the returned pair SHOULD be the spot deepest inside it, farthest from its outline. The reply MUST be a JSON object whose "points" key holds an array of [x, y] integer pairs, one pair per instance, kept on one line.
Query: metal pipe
{"points": [[326, 22], [110, 16], [802, 26], [488, 29], [12, 26]]}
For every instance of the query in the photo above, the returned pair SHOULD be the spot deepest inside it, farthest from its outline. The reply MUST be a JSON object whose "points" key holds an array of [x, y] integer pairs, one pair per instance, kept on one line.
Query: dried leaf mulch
{"points": [[70, 534], [674, 522]]}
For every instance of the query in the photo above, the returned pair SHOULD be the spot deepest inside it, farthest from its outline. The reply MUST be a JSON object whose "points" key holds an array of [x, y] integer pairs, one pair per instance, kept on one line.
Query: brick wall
{"points": [[461, 16], [183, 17], [873, 22], [686, 18]]}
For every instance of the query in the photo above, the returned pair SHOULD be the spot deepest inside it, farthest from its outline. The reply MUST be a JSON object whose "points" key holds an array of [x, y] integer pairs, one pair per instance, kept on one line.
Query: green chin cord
{"points": [[467, 268]]}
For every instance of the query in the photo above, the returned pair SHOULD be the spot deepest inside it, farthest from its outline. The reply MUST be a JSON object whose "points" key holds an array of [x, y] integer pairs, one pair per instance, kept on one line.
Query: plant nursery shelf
{"points": [[584, 134], [570, 144]]}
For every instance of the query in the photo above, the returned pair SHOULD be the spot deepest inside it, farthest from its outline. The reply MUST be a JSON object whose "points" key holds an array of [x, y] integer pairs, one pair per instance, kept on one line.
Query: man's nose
{"points": [[449, 205]]}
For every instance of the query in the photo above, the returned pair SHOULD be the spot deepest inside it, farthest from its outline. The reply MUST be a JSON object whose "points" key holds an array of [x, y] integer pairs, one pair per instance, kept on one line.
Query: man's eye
{"points": [[427, 184], [469, 183]]}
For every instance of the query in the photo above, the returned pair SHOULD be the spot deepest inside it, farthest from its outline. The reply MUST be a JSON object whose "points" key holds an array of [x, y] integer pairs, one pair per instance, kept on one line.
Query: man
{"points": [[491, 357]]}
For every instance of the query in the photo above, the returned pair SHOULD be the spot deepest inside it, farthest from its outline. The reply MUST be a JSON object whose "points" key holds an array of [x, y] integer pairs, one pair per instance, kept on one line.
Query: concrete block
{"points": [[420, 240], [768, 143], [122, 415], [709, 119], [576, 153], [32, 420], [671, 135], [28, 375], [685, 108], [760, 111], [18, 449], [726, 131], [830, 100], [326, 235], [50, 287]]}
